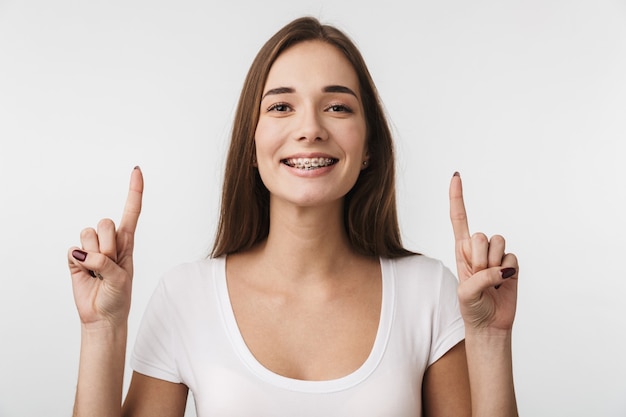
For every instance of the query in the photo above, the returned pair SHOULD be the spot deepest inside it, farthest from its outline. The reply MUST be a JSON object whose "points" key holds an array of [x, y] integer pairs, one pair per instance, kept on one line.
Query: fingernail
{"points": [[137, 167], [507, 272], [497, 286], [456, 174], [79, 255], [93, 274]]}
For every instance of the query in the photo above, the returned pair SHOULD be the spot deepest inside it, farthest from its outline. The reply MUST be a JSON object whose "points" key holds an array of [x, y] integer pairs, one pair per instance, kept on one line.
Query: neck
{"points": [[308, 243]]}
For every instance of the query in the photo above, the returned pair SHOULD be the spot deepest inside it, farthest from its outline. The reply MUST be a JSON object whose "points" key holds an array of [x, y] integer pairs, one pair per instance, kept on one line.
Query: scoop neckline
{"points": [[332, 385]]}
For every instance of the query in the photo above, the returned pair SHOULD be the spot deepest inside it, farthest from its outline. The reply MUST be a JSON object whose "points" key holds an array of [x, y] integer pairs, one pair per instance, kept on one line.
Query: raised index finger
{"points": [[458, 216], [132, 209]]}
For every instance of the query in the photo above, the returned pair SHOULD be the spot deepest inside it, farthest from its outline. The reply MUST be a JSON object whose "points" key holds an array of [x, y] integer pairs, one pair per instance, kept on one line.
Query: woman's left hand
{"points": [[487, 274]]}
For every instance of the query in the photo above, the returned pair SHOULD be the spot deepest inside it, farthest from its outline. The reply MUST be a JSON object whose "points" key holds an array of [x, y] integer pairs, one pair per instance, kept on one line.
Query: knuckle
{"points": [[480, 237], [106, 224], [126, 239], [512, 259], [87, 232], [497, 239], [463, 293], [100, 262]]}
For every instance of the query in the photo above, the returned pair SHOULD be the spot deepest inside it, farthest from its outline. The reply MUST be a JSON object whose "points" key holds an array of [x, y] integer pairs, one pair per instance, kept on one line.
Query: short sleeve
{"points": [[154, 351], [448, 327]]}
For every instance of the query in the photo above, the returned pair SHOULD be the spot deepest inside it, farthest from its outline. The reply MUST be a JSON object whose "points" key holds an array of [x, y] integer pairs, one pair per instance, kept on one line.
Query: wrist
{"points": [[101, 369], [104, 330], [490, 366], [487, 332], [488, 349]]}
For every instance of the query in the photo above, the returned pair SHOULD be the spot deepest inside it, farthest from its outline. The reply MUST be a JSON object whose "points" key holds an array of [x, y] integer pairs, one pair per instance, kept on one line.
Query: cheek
{"points": [[356, 140], [261, 138], [267, 144], [267, 135]]}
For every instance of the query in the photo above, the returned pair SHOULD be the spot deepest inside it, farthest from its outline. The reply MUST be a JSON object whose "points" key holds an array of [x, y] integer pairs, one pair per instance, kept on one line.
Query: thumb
{"points": [[96, 264], [482, 280]]}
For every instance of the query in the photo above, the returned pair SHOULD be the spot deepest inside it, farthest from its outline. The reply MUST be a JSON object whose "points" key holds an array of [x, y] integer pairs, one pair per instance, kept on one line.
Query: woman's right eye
{"points": [[279, 107]]}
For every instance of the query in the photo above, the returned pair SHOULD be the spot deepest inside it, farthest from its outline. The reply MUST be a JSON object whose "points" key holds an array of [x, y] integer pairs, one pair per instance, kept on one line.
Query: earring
{"points": [[365, 163]]}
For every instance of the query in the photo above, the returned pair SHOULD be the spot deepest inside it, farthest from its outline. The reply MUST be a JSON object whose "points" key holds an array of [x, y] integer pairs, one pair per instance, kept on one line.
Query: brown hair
{"points": [[369, 208]]}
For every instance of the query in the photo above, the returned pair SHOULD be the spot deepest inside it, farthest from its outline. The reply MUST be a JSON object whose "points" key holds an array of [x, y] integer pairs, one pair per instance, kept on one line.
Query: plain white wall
{"points": [[527, 99]]}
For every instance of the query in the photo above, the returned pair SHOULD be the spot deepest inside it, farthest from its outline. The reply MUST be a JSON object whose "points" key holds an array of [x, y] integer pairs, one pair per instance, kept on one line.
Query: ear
{"points": [[254, 161], [365, 159]]}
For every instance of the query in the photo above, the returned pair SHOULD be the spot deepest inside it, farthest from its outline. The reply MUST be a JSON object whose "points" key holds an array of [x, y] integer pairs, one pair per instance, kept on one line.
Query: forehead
{"points": [[312, 63]]}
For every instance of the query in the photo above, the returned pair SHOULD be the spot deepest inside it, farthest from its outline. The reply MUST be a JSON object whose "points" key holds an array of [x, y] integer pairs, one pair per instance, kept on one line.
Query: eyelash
{"points": [[343, 107], [337, 108], [274, 107]]}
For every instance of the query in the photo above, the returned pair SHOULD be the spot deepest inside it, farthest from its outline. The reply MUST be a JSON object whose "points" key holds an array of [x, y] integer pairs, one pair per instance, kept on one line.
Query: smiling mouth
{"points": [[309, 163]]}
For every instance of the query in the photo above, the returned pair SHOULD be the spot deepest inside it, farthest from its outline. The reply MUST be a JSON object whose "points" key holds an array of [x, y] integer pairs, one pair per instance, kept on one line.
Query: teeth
{"points": [[309, 163]]}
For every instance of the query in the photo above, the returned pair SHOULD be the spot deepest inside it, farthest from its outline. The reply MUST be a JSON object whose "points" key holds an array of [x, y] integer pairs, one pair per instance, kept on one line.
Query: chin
{"points": [[306, 200]]}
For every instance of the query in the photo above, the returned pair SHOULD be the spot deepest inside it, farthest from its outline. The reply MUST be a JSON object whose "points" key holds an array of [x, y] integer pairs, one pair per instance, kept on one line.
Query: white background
{"points": [[527, 99]]}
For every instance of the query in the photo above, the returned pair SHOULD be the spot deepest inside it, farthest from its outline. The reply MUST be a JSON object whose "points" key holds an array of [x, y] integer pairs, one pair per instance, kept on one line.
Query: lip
{"points": [[309, 155], [309, 173]]}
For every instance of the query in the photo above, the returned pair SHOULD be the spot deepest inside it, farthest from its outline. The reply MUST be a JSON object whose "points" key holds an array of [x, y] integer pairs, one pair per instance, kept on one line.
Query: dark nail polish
{"points": [[497, 286], [456, 174], [93, 274], [507, 272], [79, 255]]}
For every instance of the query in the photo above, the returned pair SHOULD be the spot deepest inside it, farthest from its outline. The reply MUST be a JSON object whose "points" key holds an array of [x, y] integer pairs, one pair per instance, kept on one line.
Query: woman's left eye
{"points": [[342, 108]]}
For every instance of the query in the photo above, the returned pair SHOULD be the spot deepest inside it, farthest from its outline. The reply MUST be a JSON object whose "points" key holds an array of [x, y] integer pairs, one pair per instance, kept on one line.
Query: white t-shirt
{"points": [[189, 335]]}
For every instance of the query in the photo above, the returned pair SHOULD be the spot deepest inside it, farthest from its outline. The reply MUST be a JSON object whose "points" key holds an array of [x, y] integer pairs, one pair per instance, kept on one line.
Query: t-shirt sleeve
{"points": [[154, 351], [448, 327]]}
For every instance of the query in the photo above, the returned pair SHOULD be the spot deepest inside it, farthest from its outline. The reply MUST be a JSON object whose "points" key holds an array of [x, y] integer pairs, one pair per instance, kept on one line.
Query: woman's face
{"points": [[310, 138]]}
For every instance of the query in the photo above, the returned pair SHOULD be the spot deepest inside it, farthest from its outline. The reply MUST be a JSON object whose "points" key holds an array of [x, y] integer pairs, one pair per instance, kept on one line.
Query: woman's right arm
{"points": [[102, 272]]}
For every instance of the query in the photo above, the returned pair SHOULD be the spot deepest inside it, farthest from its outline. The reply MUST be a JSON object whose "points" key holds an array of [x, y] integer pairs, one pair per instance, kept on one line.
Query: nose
{"points": [[311, 127]]}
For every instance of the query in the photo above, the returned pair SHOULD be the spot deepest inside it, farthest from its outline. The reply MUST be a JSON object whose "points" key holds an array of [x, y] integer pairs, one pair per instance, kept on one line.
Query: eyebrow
{"points": [[279, 90], [327, 89], [339, 89]]}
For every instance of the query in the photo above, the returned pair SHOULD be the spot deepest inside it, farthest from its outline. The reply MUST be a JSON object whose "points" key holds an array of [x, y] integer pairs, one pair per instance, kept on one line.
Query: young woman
{"points": [[309, 304]]}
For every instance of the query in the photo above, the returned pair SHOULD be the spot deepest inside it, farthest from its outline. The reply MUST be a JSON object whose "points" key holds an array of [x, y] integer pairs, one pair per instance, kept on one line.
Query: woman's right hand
{"points": [[102, 269]]}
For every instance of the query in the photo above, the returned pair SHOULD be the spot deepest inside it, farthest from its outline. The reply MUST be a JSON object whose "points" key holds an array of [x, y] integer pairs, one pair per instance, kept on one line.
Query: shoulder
{"points": [[191, 277], [417, 267], [420, 276]]}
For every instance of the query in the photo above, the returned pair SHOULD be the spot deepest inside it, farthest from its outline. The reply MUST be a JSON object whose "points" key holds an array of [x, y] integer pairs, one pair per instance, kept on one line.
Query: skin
{"points": [[305, 269], [488, 312], [311, 107], [309, 287]]}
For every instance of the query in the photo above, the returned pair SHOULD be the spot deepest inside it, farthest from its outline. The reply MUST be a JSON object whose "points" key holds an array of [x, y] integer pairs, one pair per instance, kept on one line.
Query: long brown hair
{"points": [[369, 208]]}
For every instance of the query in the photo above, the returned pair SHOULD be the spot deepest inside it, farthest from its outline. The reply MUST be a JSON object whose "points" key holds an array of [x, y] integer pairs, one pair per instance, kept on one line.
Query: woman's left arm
{"points": [[487, 296], [445, 387]]}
